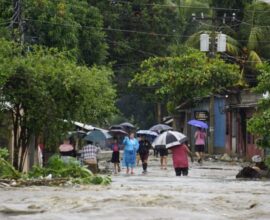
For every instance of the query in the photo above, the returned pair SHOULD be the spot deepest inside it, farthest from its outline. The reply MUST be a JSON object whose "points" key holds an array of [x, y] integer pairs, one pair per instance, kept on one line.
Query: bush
{"points": [[73, 170], [4, 153]]}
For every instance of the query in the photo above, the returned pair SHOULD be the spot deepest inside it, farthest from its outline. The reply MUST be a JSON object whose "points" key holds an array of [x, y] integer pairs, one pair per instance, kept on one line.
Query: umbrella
{"points": [[170, 139], [97, 136], [147, 132], [198, 123], [78, 134], [118, 132], [115, 127], [127, 125], [160, 127]]}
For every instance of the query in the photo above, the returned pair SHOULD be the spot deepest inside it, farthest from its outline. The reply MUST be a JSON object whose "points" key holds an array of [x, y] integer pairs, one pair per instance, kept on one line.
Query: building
{"points": [[231, 113]]}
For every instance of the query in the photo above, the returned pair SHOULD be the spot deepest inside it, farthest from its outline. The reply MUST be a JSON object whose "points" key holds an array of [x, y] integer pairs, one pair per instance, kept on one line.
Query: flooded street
{"points": [[209, 192]]}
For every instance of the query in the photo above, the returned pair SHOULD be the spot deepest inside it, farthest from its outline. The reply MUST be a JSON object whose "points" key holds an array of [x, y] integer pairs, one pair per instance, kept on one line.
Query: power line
{"points": [[106, 29], [153, 34], [129, 47], [189, 6], [246, 61], [253, 25], [173, 5]]}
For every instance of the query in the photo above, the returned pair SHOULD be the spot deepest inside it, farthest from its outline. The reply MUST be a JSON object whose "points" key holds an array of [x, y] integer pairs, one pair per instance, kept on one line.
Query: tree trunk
{"points": [[159, 112], [15, 120]]}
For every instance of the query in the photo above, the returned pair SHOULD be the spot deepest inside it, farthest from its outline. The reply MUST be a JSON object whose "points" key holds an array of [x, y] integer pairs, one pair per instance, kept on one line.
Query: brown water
{"points": [[209, 192]]}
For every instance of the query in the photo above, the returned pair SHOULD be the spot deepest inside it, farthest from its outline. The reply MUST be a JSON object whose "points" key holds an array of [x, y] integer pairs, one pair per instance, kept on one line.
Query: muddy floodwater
{"points": [[209, 192]]}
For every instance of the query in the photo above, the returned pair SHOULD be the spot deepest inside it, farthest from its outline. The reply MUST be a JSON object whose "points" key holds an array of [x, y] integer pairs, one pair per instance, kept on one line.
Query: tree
{"points": [[259, 124], [247, 35], [183, 78], [67, 25], [137, 30], [42, 87]]}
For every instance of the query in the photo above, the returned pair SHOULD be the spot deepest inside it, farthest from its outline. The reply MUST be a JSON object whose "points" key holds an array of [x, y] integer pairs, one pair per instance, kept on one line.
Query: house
{"points": [[228, 126], [240, 107]]}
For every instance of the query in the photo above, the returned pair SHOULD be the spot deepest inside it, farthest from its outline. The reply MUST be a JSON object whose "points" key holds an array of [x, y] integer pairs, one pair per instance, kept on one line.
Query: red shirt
{"points": [[180, 156], [115, 147]]}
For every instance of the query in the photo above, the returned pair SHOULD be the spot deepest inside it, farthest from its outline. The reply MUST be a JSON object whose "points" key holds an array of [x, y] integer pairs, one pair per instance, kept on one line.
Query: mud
{"points": [[211, 191]]}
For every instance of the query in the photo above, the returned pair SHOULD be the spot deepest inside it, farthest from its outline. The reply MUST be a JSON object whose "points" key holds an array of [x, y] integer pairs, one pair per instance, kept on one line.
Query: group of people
{"points": [[88, 154], [141, 147], [132, 146]]}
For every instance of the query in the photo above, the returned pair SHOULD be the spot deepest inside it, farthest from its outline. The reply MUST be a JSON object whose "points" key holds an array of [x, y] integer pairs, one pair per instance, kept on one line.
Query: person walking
{"points": [[180, 159], [66, 151], [115, 155], [144, 147], [89, 156], [163, 152], [131, 146], [200, 137]]}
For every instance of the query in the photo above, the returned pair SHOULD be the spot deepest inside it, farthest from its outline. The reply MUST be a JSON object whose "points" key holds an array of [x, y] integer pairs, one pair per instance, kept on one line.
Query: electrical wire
{"points": [[246, 61], [138, 50], [106, 29], [153, 34], [112, 2]]}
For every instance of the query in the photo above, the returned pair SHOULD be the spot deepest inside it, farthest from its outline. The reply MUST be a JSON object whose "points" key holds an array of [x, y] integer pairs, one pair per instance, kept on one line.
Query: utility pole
{"points": [[219, 46], [212, 96], [17, 21]]}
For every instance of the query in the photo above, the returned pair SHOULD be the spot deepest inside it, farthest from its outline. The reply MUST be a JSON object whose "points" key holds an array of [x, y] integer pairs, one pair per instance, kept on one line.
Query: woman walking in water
{"points": [[131, 145], [115, 155], [180, 159], [200, 136], [144, 147]]}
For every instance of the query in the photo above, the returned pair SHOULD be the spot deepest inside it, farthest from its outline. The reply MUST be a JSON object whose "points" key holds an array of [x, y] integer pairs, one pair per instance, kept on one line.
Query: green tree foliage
{"points": [[184, 78], [42, 87], [67, 25], [72, 170], [259, 124], [247, 34], [137, 30]]}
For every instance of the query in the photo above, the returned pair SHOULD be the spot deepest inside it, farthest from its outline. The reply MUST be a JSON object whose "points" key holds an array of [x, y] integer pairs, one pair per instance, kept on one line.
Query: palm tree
{"points": [[248, 44]]}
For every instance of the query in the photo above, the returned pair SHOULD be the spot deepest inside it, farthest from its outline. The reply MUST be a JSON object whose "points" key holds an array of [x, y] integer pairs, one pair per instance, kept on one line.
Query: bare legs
{"points": [[131, 169], [163, 162], [199, 156], [117, 168], [138, 159]]}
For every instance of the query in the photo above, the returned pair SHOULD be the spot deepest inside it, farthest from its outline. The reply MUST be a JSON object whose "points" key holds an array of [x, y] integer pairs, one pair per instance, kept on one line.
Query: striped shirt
{"points": [[89, 152]]}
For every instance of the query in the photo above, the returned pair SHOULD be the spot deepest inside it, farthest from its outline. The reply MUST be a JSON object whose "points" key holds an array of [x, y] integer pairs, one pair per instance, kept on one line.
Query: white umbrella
{"points": [[170, 139], [160, 127], [147, 132]]}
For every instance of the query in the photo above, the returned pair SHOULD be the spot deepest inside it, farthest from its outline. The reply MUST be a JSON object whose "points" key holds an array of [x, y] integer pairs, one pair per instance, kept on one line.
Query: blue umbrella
{"points": [[97, 136], [197, 123]]}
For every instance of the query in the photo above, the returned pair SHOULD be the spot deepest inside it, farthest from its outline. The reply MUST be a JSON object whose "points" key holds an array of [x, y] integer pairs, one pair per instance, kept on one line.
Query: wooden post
{"points": [[212, 124]]}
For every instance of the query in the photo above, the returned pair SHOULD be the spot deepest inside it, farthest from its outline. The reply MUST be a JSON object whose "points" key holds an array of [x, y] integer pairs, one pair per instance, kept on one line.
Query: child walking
{"points": [[115, 156], [180, 159]]}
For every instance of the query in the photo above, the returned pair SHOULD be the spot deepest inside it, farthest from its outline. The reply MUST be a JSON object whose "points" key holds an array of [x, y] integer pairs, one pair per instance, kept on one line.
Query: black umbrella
{"points": [[160, 128], [170, 139], [116, 127], [118, 132], [127, 125]]}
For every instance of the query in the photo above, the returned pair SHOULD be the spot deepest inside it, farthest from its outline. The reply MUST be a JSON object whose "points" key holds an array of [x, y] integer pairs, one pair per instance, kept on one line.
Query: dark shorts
{"points": [[163, 152], [199, 148], [115, 157], [181, 171], [144, 156]]}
